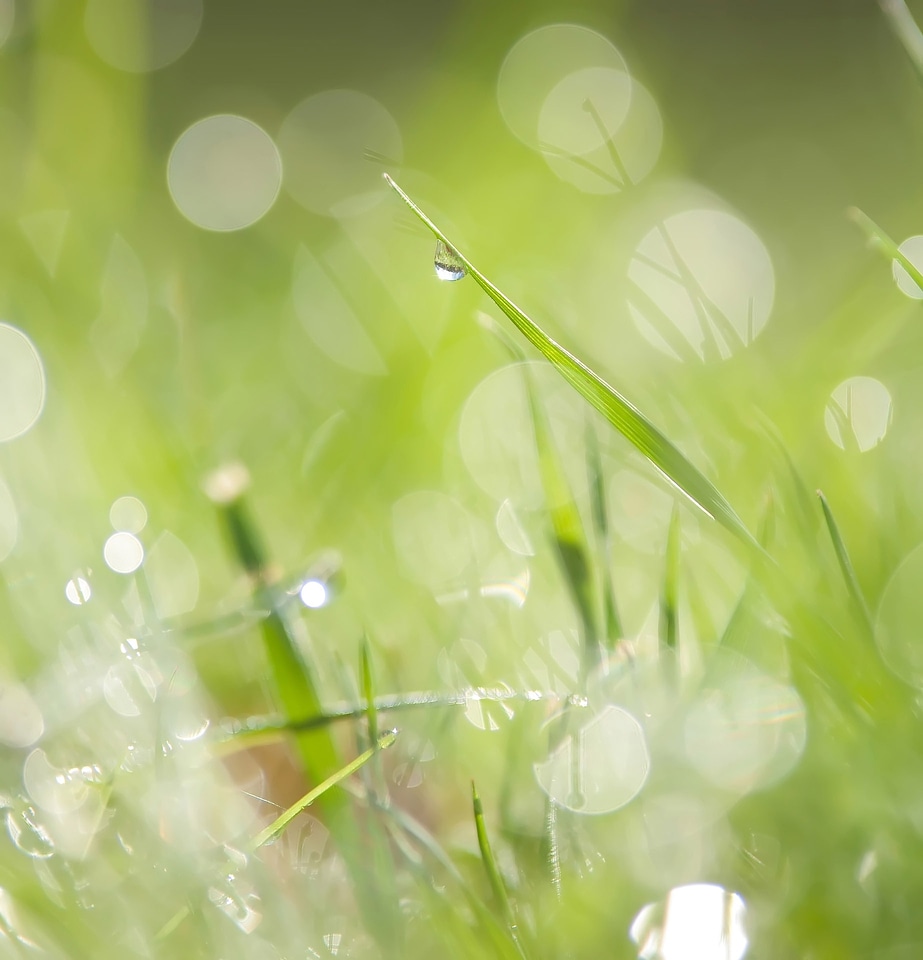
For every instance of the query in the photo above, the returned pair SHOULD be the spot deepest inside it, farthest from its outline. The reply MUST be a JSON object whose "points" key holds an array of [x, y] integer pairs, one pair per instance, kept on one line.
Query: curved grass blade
{"points": [[880, 240], [846, 567], [621, 413], [284, 819]]}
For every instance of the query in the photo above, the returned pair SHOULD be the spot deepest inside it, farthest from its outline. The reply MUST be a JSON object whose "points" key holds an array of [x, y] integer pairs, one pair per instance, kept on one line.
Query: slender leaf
{"points": [[669, 613], [612, 630], [492, 870], [622, 414], [879, 239], [283, 820], [297, 695], [846, 567]]}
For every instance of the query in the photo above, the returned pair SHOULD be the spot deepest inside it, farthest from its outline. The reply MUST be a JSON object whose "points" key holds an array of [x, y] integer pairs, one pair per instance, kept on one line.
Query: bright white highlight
{"points": [[123, 552], [313, 594]]}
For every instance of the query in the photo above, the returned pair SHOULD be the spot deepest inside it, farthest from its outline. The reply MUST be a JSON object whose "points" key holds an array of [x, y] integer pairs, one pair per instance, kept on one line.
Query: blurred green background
{"points": [[197, 240]]}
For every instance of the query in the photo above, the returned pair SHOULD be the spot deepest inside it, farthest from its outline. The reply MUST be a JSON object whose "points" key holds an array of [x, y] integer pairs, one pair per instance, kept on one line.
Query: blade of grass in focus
{"points": [[622, 414], [297, 695], [283, 820], [846, 567]]}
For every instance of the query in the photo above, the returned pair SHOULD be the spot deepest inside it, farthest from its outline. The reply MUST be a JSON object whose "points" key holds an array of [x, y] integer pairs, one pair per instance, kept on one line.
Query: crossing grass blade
{"points": [[846, 567], [881, 241], [284, 819], [619, 411], [297, 695]]}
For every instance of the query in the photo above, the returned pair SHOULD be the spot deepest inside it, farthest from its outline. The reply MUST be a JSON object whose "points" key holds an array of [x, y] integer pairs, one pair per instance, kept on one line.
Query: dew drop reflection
{"points": [[703, 285], [600, 764], [22, 383], [224, 173], [699, 921], [28, 833], [332, 143], [313, 594], [21, 721], [239, 902], [447, 263], [123, 552], [142, 35], [128, 514], [858, 414], [511, 530], [912, 249], [77, 591], [625, 153], [745, 730], [539, 62]]}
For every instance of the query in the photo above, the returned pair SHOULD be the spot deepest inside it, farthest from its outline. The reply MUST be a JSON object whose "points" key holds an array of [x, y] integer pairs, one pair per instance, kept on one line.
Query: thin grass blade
{"points": [[490, 867], [669, 597], [621, 413], [881, 241], [846, 567], [284, 819], [907, 31], [612, 629]]}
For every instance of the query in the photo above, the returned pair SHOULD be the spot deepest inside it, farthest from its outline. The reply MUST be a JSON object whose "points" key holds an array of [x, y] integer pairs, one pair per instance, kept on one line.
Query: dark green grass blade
{"points": [[880, 240], [669, 597], [298, 698], [284, 819], [567, 530], [622, 414], [846, 567]]}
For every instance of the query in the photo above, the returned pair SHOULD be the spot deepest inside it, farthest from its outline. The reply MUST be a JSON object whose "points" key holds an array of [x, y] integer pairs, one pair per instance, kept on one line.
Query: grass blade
{"points": [[846, 567], [907, 31], [493, 873], [297, 696], [282, 821], [669, 598], [612, 623], [881, 241], [621, 413]]}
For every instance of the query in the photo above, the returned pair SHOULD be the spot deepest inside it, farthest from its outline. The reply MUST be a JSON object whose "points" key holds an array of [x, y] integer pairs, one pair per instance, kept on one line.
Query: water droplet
{"points": [[28, 834], [699, 920], [77, 591], [448, 264], [599, 766], [239, 902]]}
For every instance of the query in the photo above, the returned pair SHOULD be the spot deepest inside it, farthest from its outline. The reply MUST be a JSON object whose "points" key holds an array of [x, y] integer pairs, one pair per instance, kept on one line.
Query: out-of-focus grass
{"points": [[771, 742]]}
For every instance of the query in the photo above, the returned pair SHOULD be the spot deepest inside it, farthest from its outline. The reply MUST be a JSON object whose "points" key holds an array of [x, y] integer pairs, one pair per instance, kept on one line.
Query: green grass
{"points": [[652, 689]]}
